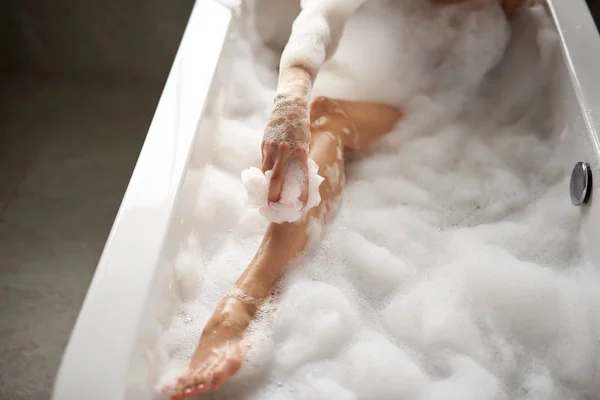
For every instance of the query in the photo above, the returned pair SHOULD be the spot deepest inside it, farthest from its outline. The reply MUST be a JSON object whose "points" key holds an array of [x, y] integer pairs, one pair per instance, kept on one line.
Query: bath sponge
{"points": [[288, 208]]}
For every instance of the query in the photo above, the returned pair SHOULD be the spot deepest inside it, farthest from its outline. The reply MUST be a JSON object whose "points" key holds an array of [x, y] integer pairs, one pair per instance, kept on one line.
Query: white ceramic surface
{"points": [[581, 54], [95, 364], [130, 298]]}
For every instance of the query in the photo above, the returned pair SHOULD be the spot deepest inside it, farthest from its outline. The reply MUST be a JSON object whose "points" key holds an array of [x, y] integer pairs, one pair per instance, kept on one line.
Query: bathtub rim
{"points": [[579, 38], [98, 352]]}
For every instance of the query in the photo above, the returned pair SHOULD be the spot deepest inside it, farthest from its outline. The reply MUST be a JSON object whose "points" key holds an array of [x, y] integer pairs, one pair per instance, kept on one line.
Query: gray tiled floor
{"points": [[66, 153]]}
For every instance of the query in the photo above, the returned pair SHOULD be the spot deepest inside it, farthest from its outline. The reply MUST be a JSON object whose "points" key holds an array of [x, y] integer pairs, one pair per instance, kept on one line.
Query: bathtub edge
{"points": [[95, 361]]}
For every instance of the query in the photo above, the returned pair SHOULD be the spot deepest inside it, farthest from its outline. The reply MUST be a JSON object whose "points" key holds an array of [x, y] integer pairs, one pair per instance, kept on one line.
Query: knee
{"points": [[319, 100], [321, 106]]}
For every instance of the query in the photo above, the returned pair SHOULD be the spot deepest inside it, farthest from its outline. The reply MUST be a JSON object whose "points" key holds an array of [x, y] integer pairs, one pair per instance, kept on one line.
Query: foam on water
{"points": [[452, 269]]}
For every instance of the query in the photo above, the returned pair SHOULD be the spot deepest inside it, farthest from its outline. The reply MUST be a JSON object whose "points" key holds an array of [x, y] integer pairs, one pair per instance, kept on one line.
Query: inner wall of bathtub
{"points": [[579, 146], [580, 100], [148, 363], [580, 141], [164, 302]]}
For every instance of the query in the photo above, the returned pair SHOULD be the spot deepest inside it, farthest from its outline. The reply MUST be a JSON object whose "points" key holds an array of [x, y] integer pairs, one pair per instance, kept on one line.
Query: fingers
{"points": [[269, 156], [302, 157], [279, 170], [277, 157]]}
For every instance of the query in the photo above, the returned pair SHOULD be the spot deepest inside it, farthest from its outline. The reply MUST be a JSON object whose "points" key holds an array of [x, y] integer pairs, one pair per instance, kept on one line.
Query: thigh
{"points": [[369, 120]]}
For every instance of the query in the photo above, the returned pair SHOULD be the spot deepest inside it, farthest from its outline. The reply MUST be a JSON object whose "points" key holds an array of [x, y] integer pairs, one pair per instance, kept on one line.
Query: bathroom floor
{"points": [[59, 194]]}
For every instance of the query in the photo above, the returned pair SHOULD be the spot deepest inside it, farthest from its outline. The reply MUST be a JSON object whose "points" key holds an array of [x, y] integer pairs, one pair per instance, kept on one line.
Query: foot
{"points": [[218, 355]]}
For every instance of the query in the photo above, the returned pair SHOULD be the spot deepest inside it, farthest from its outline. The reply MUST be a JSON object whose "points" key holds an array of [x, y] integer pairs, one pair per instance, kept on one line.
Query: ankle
{"points": [[244, 298], [232, 314]]}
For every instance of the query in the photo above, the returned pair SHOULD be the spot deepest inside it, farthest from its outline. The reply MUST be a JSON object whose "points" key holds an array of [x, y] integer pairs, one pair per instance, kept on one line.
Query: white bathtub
{"points": [[130, 300]]}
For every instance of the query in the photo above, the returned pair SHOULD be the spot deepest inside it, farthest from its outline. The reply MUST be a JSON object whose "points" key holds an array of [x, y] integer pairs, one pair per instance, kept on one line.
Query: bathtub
{"points": [[130, 300]]}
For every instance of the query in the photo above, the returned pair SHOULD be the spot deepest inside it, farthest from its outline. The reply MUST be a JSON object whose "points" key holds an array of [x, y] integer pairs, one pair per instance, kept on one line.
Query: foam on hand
{"points": [[289, 207]]}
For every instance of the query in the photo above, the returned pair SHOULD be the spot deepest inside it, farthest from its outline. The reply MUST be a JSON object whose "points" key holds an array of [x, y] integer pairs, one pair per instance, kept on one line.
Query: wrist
{"points": [[295, 82]]}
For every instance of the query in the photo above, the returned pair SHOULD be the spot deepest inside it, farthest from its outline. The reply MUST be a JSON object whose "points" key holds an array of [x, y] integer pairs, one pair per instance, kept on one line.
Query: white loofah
{"points": [[288, 208]]}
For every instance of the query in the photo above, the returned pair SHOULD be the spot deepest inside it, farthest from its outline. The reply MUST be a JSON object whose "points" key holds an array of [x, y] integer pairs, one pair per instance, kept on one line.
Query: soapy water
{"points": [[451, 271]]}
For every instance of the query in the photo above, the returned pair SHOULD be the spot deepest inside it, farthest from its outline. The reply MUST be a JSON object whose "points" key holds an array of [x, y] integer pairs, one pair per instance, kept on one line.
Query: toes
{"points": [[211, 375], [201, 383], [204, 384], [228, 367], [187, 385], [216, 369], [218, 381], [196, 381], [220, 375], [172, 391], [203, 379], [175, 396], [178, 388]]}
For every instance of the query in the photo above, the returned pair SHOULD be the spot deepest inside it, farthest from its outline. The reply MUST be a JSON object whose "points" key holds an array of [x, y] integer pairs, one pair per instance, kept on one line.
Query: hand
{"points": [[286, 141]]}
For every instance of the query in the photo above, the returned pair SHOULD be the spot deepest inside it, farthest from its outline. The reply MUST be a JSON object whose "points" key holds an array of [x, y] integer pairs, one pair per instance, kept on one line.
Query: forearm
{"points": [[295, 81], [314, 38]]}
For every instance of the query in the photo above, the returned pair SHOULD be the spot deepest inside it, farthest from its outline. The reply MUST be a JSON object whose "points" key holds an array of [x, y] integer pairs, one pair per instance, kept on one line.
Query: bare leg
{"points": [[337, 126]]}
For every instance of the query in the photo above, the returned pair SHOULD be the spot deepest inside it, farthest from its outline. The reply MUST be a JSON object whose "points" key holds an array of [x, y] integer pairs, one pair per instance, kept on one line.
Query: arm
{"points": [[315, 35]]}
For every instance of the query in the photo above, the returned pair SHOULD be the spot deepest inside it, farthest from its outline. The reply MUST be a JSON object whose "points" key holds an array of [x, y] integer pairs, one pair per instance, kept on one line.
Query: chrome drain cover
{"points": [[581, 183]]}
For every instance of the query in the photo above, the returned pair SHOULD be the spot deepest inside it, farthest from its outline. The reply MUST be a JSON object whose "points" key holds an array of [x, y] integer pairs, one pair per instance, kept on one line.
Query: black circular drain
{"points": [[581, 183]]}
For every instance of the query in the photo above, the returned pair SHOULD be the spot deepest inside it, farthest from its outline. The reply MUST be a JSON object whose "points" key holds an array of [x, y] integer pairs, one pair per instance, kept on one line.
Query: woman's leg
{"points": [[336, 126]]}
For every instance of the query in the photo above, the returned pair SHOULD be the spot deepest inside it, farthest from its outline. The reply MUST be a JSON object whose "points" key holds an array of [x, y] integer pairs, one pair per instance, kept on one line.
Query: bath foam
{"points": [[452, 270], [288, 208]]}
